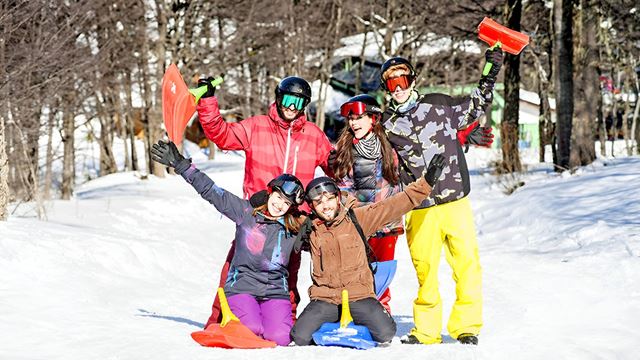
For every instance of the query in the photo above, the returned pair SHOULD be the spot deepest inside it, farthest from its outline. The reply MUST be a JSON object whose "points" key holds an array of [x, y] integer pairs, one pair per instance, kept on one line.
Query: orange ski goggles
{"points": [[404, 81]]}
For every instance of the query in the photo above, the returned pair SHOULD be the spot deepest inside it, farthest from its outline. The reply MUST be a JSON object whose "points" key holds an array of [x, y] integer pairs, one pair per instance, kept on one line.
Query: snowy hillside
{"points": [[128, 269]]}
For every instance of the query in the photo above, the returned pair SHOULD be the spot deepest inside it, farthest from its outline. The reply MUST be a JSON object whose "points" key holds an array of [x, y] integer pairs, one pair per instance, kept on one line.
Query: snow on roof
{"points": [[533, 98], [434, 44]]}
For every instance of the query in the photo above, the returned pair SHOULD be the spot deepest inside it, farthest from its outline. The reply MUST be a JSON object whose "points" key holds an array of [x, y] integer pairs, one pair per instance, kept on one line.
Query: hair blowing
{"points": [[344, 161]]}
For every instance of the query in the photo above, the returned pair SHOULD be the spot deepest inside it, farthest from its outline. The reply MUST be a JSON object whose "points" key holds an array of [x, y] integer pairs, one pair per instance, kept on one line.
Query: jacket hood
{"points": [[297, 124]]}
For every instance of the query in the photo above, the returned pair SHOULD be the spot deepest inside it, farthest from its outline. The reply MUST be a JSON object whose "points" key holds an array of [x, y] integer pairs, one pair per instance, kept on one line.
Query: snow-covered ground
{"points": [[128, 268]]}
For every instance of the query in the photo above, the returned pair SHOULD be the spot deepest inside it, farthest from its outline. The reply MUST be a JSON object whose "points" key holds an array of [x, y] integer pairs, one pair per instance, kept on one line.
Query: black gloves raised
{"points": [[434, 170], [166, 153], [211, 90], [495, 57]]}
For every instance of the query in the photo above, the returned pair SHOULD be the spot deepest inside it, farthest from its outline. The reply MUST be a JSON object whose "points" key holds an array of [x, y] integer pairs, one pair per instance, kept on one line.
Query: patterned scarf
{"points": [[369, 147], [407, 105]]}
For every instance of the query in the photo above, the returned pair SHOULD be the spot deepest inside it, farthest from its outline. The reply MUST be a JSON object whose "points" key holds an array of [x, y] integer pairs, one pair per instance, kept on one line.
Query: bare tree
{"points": [[587, 89], [509, 132], [563, 29], [5, 17]]}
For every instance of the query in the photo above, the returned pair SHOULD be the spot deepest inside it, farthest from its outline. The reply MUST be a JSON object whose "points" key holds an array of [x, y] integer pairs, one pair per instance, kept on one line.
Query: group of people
{"points": [[408, 160]]}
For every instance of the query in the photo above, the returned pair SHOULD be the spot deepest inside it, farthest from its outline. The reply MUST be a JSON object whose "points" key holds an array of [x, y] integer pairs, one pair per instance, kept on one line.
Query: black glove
{"points": [[493, 56], [481, 136], [258, 199], [166, 153], [331, 159], [303, 238], [210, 89], [434, 170]]}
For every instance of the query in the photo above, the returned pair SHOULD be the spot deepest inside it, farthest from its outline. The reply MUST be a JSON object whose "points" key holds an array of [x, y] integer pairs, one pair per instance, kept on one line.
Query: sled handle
{"points": [[199, 91], [345, 318], [227, 315], [487, 66]]}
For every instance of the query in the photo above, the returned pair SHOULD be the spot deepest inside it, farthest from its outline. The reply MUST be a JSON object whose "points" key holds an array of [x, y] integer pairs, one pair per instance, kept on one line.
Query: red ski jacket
{"points": [[272, 145]]}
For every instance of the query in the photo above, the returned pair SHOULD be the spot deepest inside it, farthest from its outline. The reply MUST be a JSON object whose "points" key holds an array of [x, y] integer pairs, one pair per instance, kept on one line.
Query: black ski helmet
{"points": [[371, 106], [319, 186], [293, 85], [393, 62], [289, 186]]}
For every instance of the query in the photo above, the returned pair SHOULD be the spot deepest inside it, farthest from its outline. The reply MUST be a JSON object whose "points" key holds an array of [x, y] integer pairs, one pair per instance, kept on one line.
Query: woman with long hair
{"points": [[366, 166], [257, 287]]}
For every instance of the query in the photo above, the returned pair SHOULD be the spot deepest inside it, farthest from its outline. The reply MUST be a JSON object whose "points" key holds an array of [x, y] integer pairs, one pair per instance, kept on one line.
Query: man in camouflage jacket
{"points": [[419, 127]]}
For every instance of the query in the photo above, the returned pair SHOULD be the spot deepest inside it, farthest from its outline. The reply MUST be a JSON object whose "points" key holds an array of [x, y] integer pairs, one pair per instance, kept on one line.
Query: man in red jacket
{"points": [[282, 141]]}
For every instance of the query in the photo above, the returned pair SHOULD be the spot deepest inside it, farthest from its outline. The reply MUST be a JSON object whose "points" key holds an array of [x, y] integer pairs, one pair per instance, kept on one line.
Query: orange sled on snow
{"points": [[230, 333], [179, 102]]}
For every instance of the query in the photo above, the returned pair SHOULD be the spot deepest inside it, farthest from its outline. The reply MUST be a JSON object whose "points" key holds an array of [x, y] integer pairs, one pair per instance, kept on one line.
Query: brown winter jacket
{"points": [[338, 254]]}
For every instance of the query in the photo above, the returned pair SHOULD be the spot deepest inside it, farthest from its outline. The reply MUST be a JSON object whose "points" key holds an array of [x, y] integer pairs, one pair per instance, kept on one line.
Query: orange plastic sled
{"points": [[511, 41], [230, 333], [179, 102], [178, 105]]}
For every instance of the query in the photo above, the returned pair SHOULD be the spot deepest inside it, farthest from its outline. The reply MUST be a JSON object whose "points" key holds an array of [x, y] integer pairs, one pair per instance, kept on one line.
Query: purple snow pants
{"points": [[270, 319]]}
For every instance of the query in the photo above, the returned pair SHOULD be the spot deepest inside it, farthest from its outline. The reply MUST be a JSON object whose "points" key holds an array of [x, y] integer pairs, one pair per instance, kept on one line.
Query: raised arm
{"points": [[227, 203], [227, 136], [374, 216], [481, 97]]}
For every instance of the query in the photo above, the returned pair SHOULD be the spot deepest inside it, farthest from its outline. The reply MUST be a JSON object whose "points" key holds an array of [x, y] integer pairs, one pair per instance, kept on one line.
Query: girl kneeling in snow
{"points": [[256, 287]]}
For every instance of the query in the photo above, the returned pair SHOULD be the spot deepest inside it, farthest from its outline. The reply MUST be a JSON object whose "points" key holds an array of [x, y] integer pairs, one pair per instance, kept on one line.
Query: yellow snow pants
{"points": [[451, 225]]}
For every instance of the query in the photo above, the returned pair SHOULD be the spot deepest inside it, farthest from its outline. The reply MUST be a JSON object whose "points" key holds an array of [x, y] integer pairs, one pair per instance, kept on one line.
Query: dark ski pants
{"points": [[368, 312]]}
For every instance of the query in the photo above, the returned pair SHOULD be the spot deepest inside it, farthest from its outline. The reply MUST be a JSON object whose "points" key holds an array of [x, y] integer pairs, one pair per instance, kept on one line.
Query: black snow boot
{"points": [[410, 339], [468, 339]]}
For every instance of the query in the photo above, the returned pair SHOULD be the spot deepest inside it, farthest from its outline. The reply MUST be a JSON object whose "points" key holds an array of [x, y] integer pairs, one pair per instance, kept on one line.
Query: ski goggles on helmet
{"points": [[357, 108], [289, 186], [297, 101], [404, 81], [315, 193]]}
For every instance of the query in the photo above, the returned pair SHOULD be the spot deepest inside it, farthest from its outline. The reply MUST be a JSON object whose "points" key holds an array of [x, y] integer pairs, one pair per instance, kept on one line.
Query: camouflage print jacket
{"points": [[430, 128]]}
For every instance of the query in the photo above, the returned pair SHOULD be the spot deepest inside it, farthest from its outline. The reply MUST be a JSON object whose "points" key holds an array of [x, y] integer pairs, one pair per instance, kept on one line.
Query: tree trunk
{"points": [[564, 80], [153, 115], [509, 128], [212, 150], [602, 126], [625, 116], [68, 163], [545, 125], [4, 170], [326, 65], [634, 122], [107, 160], [583, 150], [129, 121], [4, 109], [48, 173]]}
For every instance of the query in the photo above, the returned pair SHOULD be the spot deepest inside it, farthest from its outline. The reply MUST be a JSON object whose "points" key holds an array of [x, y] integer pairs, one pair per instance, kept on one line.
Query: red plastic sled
{"points": [[178, 105], [511, 41], [234, 335], [230, 333]]}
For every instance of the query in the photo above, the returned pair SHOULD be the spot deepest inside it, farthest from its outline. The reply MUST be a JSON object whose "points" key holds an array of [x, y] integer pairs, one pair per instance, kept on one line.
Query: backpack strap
{"points": [[371, 257]]}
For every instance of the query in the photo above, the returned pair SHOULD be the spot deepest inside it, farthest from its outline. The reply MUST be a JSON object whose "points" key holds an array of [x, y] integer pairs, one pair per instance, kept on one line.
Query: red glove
{"points": [[464, 133], [476, 135]]}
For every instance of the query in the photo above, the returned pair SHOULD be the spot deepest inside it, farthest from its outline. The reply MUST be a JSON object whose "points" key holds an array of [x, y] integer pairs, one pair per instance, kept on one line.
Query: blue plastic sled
{"points": [[385, 271], [344, 333]]}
